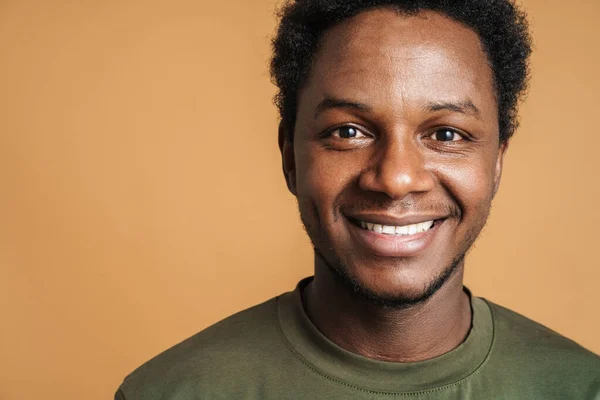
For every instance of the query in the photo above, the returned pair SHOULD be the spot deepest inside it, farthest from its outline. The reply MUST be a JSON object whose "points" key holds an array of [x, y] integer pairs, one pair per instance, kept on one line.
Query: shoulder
{"points": [[520, 330], [211, 355], [521, 344]]}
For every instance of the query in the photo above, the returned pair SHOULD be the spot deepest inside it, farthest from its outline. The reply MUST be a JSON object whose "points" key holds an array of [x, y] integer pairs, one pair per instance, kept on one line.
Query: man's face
{"points": [[396, 154]]}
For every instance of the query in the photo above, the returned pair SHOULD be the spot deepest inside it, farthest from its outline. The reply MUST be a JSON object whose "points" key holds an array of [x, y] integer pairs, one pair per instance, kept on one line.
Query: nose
{"points": [[398, 169]]}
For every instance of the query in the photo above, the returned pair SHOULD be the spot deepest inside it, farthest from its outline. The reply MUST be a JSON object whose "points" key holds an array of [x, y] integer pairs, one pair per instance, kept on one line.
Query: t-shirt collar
{"points": [[338, 364]]}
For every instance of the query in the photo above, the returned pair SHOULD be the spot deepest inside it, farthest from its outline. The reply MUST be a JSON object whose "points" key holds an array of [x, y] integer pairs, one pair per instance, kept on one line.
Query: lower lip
{"points": [[394, 245]]}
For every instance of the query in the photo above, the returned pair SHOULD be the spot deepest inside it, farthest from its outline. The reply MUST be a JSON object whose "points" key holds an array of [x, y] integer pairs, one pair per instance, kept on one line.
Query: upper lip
{"points": [[393, 220]]}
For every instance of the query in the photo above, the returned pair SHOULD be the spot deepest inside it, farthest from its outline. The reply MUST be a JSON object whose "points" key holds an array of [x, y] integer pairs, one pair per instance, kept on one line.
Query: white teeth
{"points": [[402, 230], [389, 230], [397, 230]]}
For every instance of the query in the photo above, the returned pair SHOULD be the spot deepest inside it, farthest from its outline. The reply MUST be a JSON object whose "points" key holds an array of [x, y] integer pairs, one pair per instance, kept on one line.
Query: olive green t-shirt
{"points": [[272, 351]]}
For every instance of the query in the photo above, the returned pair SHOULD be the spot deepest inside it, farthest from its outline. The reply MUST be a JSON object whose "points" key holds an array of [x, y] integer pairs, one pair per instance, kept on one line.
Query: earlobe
{"points": [[286, 147], [499, 166]]}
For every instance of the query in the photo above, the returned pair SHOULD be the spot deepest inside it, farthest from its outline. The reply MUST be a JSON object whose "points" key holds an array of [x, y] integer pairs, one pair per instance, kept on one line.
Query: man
{"points": [[396, 116]]}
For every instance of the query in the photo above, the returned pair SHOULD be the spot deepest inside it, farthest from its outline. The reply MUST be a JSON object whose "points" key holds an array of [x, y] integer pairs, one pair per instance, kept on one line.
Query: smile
{"points": [[389, 236], [405, 230]]}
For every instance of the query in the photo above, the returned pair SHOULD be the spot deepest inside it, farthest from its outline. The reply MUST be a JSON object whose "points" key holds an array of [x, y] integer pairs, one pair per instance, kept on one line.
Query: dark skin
{"points": [[397, 124]]}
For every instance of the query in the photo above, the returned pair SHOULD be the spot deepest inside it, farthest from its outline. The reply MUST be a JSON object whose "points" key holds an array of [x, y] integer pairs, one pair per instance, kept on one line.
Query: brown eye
{"points": [[446, 135], [348, 132]]}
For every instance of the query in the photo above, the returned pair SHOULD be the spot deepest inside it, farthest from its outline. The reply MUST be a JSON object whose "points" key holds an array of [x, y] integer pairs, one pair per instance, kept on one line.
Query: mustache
{"points": [[407, 205]]}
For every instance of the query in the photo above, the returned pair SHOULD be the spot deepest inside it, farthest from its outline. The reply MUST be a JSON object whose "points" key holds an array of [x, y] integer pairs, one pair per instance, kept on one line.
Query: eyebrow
{"points": [[464, 107], [335, 102]]}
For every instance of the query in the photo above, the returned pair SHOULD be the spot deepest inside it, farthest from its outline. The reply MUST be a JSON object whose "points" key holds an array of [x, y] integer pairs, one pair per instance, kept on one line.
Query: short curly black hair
{"points": [[501, 25]]}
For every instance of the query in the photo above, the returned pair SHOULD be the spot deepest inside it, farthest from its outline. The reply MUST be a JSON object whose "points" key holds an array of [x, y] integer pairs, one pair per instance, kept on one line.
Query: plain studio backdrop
{"points": [[142, 199]]}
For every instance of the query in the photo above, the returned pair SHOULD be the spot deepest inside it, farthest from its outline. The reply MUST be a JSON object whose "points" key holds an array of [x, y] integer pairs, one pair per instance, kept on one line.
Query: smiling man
{"points": [[396, 116]]}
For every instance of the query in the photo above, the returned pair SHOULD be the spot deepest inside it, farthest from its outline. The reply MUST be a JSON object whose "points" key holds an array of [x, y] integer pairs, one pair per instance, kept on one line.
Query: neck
{"points": [[420, 332]]}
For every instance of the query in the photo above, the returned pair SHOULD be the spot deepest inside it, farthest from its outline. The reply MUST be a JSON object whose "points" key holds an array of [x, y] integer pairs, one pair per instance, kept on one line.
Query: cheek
{"points": [[321, 175], [470, 183]]}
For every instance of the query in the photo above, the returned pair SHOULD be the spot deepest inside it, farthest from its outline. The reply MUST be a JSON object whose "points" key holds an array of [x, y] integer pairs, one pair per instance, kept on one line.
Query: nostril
{"points": [[397, 178]]}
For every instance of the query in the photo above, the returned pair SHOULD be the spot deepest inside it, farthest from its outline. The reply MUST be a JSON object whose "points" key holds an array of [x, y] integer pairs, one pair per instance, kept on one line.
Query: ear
{"points": [[499, 165], [286, 146]]}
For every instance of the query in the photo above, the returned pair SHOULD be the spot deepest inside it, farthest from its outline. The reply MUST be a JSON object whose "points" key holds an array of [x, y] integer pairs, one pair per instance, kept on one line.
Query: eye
{"points": [[446, 135], [348, 132]]}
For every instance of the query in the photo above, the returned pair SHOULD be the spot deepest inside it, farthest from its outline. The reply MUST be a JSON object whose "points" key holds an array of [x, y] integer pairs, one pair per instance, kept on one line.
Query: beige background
{"points": [[141, 197]]}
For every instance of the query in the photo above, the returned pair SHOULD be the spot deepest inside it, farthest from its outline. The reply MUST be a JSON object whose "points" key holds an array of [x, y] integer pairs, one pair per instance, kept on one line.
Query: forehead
{"points": [[396, 60]]}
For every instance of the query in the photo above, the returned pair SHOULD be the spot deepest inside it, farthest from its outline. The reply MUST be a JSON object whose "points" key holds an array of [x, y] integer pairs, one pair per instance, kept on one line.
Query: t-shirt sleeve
{"points": [[119, 395]]}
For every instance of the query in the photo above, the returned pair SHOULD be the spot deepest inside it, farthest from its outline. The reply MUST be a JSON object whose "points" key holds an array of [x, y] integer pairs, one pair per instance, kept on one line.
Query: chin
{"points": [[396, 286]]}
